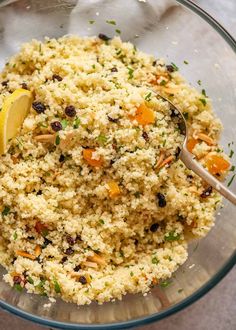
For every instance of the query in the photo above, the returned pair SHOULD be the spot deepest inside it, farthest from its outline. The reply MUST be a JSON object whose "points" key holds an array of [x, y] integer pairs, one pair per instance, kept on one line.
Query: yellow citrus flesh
{"points": [[14, 110]]}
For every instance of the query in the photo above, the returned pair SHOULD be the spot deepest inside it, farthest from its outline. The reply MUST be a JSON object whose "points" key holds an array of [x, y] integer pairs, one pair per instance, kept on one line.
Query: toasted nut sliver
{"points": [[98, 259], [25, 254], [166, 161], [160, 160], [89, 264], [45, 138], [205, 138], [37, 251]]}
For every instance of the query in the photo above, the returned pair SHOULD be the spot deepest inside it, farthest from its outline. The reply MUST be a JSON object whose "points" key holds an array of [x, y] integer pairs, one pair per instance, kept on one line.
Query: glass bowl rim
{"points": [[231, 262]]}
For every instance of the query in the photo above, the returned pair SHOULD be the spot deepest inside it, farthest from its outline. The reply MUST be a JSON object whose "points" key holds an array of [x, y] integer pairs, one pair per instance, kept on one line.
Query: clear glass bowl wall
{"points": [[176, 31]]}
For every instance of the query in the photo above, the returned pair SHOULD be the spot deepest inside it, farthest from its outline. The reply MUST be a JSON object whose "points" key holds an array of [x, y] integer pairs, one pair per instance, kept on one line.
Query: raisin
{"points": [[82, 280], [63, 260], [77, 268], [170, 68], [69, 251], [56, 126], [17, 279], [177, 152], [61, 158], [113, 120], [39, 107], [5, 83], [57, 77], [161, 200], [70, 240], [39, 193], [70, 111], [114, 69], [24, 86], [145, 136], [207, 192], [103, 37], [154, 227]]}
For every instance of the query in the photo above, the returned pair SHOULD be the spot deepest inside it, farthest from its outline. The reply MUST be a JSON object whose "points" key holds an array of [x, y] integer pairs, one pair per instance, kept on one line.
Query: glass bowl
{"points": [[178, 31]]}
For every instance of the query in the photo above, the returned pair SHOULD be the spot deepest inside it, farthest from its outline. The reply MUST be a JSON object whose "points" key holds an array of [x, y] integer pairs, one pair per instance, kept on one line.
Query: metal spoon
{"points": [[189, 161]]}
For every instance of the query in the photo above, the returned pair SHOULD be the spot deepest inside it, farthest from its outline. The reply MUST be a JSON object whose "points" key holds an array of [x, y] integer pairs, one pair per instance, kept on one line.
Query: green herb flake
{"points": [[232, 169], [185, 114], [30, 280], [112, 22], [155, 261], [118, 52], [199, 82], [76, 123], [165, 283], [172, 236], [92, 21], [131, 274], [102, 139], [164, 143], [231, 153], [94, 66], [130, 72], [18, 287], [231, 180], [44, 232], [148, 97], [40, 48], [15, 236], [5, 211], [186, 62], [118, 31], [137, 194], [58, 140], [64, 123], [163, 82], [102, 222], [57, 287], [175, 66], [203, 102], [180, 290], [204, 92]]}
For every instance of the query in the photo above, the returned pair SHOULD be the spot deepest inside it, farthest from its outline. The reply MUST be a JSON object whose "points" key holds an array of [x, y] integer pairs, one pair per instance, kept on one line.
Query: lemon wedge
{"points": [[14, 110]]}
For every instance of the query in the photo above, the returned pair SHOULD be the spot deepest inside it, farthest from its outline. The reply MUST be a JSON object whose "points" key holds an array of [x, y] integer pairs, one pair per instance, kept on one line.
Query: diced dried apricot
{"points": [[37, 251], [25, 254], [88, 154], [217, 164], [144, 115], [114, 189], [191, 144]]}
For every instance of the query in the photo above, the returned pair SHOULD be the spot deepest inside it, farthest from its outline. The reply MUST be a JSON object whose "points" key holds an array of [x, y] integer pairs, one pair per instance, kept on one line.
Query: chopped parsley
{"points": [[231, 153], [174, 66], [185, 114], [172, 236], [137, 194], [76, 123], [163, 82], [102, 139], [15, 236], [118, 52], [204, 92], [199, 82], [186, 62], [118, 31], [94, 66], [6, 210], [58, 140], [203, 102], [130, 72], [112, 22], [30, 280], [57, 287], [92, 21], [148, 96], [101, 221], [131, 274], [164, 143], [64, 123], [232, 169], [18, 287], [155, 261], [165, 283], [231, 180]]}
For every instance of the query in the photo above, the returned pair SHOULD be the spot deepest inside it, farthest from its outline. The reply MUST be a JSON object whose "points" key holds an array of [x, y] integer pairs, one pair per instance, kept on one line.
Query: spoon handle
{"points": [[193, 165]]}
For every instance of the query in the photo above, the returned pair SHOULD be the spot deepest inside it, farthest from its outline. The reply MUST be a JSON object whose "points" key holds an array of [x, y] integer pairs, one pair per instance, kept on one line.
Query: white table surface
{"points": [[215, 311]]}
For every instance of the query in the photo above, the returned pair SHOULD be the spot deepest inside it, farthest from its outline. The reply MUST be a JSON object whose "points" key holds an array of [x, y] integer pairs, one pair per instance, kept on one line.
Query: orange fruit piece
{"points": [[144, 115], [191, 144], [217, 164], [87, 154], [113, 188]]}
